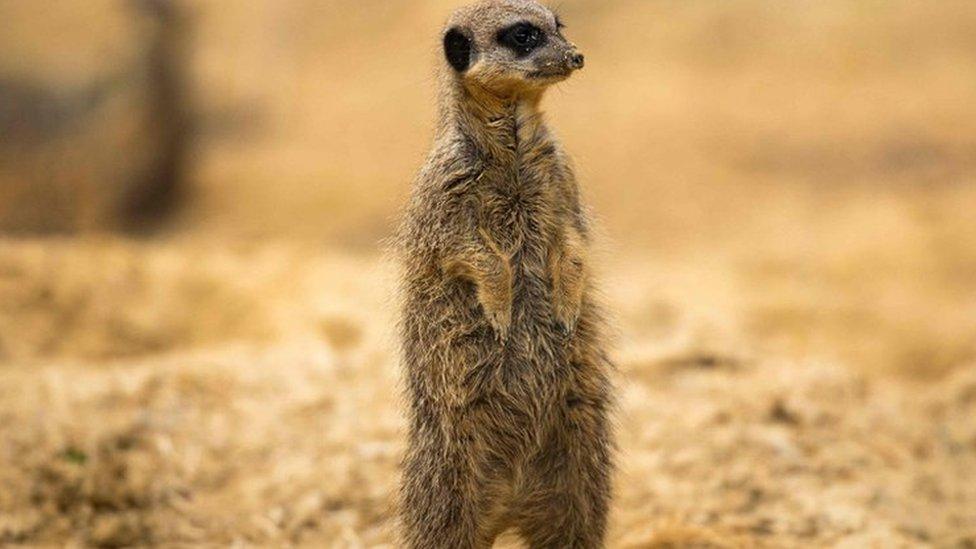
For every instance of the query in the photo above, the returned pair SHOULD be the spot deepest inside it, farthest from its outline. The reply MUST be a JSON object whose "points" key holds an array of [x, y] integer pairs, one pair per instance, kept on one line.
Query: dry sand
{"points": [[189, 393]]}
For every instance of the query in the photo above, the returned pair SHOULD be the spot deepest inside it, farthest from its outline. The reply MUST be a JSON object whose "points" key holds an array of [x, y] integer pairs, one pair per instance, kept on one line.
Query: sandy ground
{"points": [[197, 393], [786, 191]]}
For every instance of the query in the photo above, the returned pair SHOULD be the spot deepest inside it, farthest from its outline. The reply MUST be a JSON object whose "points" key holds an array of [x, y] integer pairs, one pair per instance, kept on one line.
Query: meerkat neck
{"points": [[499, 126]]}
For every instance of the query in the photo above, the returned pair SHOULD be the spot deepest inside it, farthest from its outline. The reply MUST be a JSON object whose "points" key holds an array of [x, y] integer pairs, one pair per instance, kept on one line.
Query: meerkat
{"points": [[502, 338]]}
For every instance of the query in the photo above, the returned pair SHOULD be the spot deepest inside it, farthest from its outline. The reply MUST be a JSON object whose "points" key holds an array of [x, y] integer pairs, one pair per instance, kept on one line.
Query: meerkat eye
{"points": [[521, 38], [525, 36]]}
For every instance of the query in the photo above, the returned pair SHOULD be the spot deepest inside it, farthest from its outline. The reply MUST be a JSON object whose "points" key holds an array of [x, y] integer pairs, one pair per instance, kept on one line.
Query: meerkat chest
{"points": [[519, 211]]}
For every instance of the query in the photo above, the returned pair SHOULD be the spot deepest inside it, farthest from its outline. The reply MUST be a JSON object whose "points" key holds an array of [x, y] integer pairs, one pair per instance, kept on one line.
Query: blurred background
{"points": [[195, 307]]}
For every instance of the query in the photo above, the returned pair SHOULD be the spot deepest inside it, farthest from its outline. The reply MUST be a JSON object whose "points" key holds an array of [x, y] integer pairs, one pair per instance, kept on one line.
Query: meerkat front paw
{"points": [[491, 274], [497, 306], [568, 277], [500, 318], [566, 312], [567, 297], [495, 295]]}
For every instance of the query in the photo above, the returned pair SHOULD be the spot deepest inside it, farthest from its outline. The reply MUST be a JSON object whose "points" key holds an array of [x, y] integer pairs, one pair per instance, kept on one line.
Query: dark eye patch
{"points": [[522, 38]]}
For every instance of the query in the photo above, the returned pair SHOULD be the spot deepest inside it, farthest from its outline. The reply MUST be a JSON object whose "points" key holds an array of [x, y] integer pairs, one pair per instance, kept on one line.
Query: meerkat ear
{"points": [[458, 49]]}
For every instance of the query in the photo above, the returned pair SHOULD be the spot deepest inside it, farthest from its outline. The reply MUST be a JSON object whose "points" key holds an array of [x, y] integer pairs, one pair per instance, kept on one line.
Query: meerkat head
{"points": [[507, 47]]}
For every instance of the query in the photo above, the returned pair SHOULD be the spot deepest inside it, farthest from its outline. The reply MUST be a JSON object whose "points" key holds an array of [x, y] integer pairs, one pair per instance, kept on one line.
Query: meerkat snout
{"points": [[575, 60]]}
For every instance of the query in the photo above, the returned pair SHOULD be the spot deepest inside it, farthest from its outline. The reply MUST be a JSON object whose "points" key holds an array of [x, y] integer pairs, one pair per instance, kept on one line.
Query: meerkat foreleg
{"points": [[568, 273], [484, 264]]}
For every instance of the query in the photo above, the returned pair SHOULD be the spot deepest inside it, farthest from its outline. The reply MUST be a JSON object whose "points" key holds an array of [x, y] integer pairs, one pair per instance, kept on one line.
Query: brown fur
{"points": [[501, 337]]}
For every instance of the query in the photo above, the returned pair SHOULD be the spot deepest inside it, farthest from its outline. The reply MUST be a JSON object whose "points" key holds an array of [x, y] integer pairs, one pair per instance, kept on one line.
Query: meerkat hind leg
{"points": [[444, 507], [567, 497]]}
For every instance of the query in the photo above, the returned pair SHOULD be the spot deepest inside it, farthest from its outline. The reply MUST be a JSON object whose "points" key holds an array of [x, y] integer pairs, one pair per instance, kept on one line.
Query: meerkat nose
{"points": [[575, 60]]}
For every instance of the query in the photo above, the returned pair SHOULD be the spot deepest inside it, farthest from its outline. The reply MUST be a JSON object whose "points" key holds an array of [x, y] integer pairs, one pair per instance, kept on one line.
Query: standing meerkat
{"points": [[502, 341]]}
